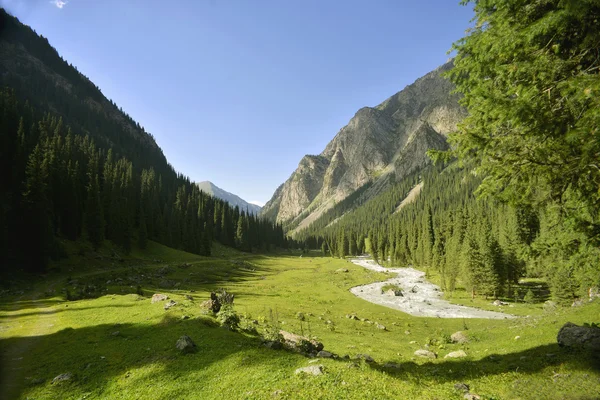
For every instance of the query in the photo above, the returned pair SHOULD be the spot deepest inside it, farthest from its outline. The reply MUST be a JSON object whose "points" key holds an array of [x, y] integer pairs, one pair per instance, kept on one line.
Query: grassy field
{"points": [[117, 345]]}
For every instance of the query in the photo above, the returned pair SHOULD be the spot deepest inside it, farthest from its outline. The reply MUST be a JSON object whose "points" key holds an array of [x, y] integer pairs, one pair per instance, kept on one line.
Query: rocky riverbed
{"points": [[419, 297]]}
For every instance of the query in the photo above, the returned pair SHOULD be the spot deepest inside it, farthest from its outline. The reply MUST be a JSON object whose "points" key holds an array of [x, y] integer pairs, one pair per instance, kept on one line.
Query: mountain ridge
{"points": [[381, 144], [233, 199]]}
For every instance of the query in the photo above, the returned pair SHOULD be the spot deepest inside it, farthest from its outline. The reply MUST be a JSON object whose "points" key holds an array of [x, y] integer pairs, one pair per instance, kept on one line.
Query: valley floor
{"points": [[116, 344]]}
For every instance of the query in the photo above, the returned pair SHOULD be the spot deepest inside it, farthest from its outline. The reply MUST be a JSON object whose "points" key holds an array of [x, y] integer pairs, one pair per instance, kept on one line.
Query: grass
{"points": [[54, 336]]}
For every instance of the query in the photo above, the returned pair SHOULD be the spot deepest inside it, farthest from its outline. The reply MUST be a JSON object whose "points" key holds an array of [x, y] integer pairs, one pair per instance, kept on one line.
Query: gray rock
{"points": [[580, 337], [185, 344], [381, 327], [471, 396], [393, 293], [188, 297], [462, 387], [311, 370], [365, 357], [456, 354], [425, 354], [341, 270], [550, 305], [578, 303], [159, 297], [170, 304], [300, 343], [62, 378], [324, 354], [115, 333], [459, 337]]}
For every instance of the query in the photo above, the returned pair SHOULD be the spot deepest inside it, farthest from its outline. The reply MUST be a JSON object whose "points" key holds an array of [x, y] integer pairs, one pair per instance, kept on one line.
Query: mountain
{"points": [[232, 199], [379, 146]]}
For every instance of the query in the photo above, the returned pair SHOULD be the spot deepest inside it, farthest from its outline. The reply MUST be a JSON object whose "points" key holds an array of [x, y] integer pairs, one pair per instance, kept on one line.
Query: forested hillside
{"points": [[75, 166], [519, 196]]}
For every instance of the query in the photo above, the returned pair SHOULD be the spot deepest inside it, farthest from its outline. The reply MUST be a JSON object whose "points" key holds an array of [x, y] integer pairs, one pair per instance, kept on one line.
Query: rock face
{"points": [[380, 145], [580, 337], [232, 199]]}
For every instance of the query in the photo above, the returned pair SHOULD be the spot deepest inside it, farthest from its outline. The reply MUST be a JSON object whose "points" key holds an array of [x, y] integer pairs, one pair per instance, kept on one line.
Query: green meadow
{"points": [[101, 328]]}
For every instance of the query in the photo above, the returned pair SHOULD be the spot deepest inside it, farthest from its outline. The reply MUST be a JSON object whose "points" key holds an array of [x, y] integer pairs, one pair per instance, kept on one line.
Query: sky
{"points": [[238, 91]]}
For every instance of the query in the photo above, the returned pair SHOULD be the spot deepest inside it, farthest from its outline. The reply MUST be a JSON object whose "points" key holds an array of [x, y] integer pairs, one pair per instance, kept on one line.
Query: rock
{"points": [[462, 387], [352, 316], [115, 333], [459, 337], [550, 305], [324, 354], [499, 303], [170, 304], [425, 354], [593, 293], [392, 365], [188, 297], [456, 354], [300, 343], [311, 370], [365, 357], [580, 337], [341, 270], [159, 297], [184, 317], [392, 292], [273, 345], [185, 344], [381, 327], [413, 342], [577, 303], [517, 337], [471, 396], [62, 378]]}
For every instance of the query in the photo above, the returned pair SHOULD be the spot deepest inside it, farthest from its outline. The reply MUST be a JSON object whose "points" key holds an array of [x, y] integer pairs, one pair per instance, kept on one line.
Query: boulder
{"points": [[425, 354], [185, 344], [62, 378], [159, 297], [170, 304], [580, 337], [381, 327], [459, 337], [324, 354], [300, 343], [311, 370], [456, 354]]}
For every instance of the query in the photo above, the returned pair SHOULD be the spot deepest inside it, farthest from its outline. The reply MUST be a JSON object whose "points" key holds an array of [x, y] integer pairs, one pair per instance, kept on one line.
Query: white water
{"points": [[420, 297]]}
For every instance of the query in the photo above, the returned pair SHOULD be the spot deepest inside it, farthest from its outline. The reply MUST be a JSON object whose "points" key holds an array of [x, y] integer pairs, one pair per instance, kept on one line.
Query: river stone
{"points": [[580, 337], [425, 354], [311, 370], [459, 337], [456, 354], [185, 344], [159, 297], [62, 378]]}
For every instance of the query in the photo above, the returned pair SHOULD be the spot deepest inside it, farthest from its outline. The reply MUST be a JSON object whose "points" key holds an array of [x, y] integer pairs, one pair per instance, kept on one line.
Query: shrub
{"points": [[228, 318]]}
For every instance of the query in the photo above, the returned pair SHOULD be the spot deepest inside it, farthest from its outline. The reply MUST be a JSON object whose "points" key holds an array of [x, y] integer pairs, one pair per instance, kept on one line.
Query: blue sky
{"points": [[238, 91]]}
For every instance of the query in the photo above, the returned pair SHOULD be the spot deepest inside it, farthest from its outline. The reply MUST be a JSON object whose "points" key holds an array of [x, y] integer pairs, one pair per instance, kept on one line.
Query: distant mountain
{"points": [[379, 146], [232, 199]]}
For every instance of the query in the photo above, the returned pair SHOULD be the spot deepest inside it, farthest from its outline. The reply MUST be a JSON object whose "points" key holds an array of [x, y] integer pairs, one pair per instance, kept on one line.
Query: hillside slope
{"points": [[382, 145], [232, 199]]}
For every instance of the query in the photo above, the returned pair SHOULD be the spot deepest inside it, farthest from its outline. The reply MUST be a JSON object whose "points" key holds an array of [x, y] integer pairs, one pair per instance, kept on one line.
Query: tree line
{"points": [[63, 185]]}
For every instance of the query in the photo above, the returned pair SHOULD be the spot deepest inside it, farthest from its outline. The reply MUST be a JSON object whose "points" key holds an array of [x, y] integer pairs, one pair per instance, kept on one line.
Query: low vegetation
{"points": [[118, 344]]}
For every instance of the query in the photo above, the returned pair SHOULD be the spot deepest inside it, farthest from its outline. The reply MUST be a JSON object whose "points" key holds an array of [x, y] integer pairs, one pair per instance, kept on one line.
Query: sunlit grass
{"points": [[120, 346]]}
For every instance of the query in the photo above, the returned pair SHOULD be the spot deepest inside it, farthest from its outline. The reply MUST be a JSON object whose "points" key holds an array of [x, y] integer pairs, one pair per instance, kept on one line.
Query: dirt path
{"points": [[420, 297]]}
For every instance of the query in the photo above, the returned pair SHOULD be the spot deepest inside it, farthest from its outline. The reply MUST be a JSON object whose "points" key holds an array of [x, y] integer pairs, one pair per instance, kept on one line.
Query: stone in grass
{"points": [[170, 304], [324, 354], [62, 378], [341, 270], [185, 344], [456, 354], [471, 396], [462, 387], [365, 357], [580, 337], [459, 337], [381, 327], [311, 370], [159, 297], [425, 354]]}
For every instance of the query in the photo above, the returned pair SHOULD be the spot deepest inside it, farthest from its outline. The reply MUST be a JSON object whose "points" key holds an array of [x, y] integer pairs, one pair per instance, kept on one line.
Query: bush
{"points": [[529, 297], [228, 318]]}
